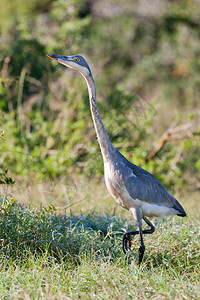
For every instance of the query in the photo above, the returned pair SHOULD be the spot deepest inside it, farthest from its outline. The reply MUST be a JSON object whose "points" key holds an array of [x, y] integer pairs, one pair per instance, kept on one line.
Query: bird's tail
{"points": [[180, 210]]}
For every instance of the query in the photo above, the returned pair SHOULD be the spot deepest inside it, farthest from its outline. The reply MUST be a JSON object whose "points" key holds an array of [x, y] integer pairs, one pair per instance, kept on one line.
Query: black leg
{"points": [[126, 240], [142, 248]]}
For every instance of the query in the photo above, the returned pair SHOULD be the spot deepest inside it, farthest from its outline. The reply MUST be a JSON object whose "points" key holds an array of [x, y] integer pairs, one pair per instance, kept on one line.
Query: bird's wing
{"points": [[143, 186]]}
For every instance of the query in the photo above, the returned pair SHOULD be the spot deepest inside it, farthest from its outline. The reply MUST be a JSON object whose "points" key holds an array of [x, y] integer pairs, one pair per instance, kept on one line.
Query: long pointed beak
{"points": [[64, 60], [58, 57], [53, 56]]}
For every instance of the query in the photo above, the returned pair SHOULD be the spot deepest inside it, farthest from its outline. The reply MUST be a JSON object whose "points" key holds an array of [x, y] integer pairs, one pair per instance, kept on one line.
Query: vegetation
{"points": [[46, 118], [61, 236], [47, 254]]}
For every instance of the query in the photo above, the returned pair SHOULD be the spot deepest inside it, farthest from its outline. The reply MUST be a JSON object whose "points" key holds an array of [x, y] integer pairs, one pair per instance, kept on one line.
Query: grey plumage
{"points": [[143, 186], [132, 187]]}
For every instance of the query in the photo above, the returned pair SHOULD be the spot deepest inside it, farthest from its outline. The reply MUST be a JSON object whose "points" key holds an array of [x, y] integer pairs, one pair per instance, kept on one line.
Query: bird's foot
{"points": [[141, 253], [126, 242]]}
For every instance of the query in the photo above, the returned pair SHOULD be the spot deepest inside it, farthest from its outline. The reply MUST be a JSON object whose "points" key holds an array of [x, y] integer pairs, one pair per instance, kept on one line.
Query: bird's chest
{"points": [[114, 183]]}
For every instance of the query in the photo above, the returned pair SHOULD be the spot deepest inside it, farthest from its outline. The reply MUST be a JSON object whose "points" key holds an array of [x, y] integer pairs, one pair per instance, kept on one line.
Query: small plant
{"points": [[4, 178]]}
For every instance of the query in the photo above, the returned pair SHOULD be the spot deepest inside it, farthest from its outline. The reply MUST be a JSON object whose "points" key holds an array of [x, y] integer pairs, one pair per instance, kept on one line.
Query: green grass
{"points": [[48, 255], [48, 145]]}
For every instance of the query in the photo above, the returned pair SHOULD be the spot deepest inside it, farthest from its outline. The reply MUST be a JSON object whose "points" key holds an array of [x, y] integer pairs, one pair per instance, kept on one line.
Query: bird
{"points": [[132, 187]]}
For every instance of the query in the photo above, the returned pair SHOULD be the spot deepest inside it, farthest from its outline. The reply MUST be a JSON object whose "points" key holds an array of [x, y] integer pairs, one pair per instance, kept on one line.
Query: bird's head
{"points": [[75, 62]]}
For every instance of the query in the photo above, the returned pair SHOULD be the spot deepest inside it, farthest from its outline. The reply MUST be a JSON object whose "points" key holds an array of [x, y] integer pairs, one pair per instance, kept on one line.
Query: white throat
{"points": [[72, 65]]}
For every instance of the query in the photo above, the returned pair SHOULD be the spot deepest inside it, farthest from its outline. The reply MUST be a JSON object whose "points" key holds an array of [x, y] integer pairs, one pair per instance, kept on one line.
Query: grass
{"points": [[45, 254]]}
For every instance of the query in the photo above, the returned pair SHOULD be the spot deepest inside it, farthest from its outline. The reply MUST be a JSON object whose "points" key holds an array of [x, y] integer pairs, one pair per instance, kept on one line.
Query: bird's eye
{"points": [[76, 59]]}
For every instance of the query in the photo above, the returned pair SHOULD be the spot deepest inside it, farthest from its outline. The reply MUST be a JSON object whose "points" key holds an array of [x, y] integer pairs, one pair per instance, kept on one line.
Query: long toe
{"points": [[126, 240], [129, 241], [124, 244]]}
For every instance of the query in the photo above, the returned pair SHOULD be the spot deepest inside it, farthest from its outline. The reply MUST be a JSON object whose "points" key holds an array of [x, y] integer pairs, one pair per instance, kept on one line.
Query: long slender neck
{"points": [[105, 144]]}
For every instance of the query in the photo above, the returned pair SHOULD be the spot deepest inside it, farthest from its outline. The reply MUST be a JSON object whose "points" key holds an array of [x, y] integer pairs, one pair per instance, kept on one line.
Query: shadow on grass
{"points": [[65, 237], [70, 238]]}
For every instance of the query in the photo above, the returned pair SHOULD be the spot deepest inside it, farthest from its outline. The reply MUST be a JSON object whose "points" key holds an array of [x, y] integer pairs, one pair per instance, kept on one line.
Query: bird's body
{"points": [[131, 186]]}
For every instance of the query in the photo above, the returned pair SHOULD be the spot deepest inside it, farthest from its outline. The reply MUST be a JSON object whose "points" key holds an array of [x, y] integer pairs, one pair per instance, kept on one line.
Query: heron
{"points": [[132, 187]]}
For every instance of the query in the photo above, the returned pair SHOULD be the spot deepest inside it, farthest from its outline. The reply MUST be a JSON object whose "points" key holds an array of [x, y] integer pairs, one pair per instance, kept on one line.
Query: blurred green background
{"points": [[145, 59]]}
